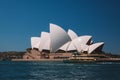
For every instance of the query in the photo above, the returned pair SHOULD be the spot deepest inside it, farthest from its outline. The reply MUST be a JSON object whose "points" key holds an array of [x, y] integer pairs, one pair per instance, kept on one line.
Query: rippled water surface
{"points": [[58, 71]]}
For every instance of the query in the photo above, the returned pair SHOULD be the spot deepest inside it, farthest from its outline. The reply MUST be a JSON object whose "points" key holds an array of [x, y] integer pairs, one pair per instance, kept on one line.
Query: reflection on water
{"points": [[58, 71]]}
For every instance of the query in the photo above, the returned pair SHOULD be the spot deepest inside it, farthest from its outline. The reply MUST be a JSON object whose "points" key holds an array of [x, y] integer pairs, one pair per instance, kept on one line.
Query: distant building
{"points": [[61, 44]]}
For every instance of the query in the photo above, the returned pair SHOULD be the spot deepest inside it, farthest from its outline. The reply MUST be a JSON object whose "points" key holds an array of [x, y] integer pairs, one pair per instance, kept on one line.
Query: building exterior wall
{"points": [[34, 54]]}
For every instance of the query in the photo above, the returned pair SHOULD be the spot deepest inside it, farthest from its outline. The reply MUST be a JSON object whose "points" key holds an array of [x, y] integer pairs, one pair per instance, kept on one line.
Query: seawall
{"points": [[59, 60]]}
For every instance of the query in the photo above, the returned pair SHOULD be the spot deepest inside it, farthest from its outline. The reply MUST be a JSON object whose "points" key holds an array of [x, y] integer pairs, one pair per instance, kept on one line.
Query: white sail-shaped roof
{"points": [[35, 42], [71, 47], [72, 34], [84, 39], [47, 45], [44, 37], [84, 47], [65, 46], [78, 42], [58, 37], [95, 46]]}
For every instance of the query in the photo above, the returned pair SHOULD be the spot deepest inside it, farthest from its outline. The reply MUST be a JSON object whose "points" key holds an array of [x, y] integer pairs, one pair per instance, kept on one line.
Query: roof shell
{"points": [[84, 39], [58, 37], [72, 34], [65, 46], [80, 43], [71, 47], [95, 46], [47, 45], [35, 42], [44, 37], [84, 47]]}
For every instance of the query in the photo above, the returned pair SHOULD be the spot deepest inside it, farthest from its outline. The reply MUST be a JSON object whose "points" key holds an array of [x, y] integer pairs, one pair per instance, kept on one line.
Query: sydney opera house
{"points": [[59, 43]]}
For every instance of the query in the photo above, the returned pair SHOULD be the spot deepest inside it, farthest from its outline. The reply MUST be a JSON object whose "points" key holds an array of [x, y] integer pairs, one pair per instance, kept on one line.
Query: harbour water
{"points": [[58, 71]]}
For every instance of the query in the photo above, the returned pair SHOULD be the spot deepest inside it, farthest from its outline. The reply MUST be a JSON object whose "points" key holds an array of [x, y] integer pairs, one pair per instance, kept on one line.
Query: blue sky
{"points": [[22, 19]]}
